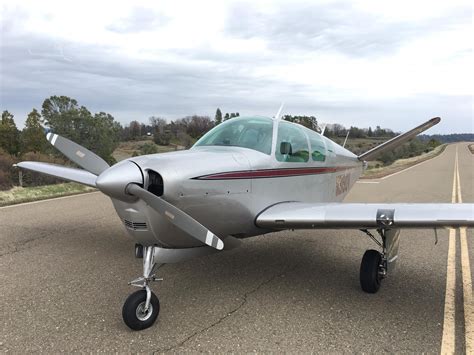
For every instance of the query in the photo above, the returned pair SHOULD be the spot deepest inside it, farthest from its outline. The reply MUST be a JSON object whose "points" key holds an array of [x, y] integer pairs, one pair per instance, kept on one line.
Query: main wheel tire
{"points": [[370, 278], [132, 311]]}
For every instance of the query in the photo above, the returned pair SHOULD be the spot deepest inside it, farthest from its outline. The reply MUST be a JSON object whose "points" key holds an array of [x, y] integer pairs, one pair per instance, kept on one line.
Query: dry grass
{"points": [[27, 194], [400, 164], [126, 149]]}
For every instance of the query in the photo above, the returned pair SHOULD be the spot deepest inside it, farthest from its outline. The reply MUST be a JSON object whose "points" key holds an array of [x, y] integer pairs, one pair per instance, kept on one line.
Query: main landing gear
{"points": [[375, 265], [142, 307]]}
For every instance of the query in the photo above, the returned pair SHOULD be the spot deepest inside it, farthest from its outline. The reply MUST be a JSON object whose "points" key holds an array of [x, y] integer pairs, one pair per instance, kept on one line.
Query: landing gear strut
{"points": [[375, 265], [141, 308]]}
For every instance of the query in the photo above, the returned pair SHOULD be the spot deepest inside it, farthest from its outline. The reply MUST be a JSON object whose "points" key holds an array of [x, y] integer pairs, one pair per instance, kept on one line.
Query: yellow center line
{"points": [[466, 280], [448, 339]]}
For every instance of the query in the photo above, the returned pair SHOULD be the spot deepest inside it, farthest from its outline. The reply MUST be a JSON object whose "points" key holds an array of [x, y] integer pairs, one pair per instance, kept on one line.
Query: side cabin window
{"points": [[292, 145], [318, 149]]}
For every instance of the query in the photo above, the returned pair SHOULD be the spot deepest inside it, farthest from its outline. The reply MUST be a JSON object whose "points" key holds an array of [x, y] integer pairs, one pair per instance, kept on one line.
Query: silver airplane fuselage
{"points": [[226, 187]]}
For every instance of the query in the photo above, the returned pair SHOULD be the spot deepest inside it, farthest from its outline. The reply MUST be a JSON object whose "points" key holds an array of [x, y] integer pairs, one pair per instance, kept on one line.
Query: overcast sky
{"points": [[393, 64]]}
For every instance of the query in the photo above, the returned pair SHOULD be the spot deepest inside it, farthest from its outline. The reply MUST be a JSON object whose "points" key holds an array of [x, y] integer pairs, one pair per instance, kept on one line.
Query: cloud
{"points": [[339, 27], [342, 64], [140, 19]]}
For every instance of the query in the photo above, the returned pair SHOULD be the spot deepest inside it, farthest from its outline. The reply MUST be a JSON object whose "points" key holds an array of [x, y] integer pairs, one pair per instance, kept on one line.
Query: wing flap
{"points": [[298, 215], [71, 174]]}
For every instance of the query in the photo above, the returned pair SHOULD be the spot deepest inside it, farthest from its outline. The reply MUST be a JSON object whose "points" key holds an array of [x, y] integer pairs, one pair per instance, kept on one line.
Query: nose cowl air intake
{"points": [[113, 181]]}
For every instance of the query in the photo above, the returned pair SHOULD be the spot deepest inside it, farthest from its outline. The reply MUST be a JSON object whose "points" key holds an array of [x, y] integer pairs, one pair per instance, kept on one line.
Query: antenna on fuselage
{"points": [[345, 140], [324, 129], [278, 115]]}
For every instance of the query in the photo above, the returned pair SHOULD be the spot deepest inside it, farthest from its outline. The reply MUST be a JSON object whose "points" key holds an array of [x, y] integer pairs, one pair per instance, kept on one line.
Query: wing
{"points": [[298, 215]]}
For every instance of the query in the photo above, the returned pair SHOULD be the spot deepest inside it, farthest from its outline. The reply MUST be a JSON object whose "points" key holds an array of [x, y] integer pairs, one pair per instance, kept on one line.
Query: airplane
{"points": [[246, 177]]}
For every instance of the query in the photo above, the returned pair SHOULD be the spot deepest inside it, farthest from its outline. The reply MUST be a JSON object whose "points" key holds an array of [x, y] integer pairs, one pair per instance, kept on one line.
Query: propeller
{"points": [[177, 217], [78, 154], [121, 181]]}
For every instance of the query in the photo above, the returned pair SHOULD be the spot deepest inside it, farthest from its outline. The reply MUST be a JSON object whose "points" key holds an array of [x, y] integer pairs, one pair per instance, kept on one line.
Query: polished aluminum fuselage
{"points": [[225, 188]]}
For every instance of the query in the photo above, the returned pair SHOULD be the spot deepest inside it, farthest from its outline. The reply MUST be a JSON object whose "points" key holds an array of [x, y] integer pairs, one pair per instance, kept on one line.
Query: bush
{"points": [[31, 178], [162, 138], [148, 148], [7, 172]]}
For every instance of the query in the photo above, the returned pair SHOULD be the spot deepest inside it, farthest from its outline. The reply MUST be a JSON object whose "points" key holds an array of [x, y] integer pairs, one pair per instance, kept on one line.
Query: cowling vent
{"points": [[136, 226]]}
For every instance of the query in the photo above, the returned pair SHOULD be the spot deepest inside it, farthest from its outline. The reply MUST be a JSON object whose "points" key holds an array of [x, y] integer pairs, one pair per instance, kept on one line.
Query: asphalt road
{"points": [[65, 265]]}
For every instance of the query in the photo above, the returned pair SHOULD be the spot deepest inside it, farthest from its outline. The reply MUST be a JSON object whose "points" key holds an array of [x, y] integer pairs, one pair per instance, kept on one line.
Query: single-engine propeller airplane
{"points": [[246, 177]]}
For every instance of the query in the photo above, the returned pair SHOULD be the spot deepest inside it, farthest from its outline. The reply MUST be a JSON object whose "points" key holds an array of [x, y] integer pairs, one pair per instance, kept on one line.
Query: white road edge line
{"points": [[449, 319], [48, 199], [402, 171], [396, 173], [466, 279]]}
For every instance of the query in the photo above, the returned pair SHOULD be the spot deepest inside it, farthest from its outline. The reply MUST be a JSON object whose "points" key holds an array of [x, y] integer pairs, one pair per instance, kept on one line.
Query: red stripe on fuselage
{"points": [[272, 173]]}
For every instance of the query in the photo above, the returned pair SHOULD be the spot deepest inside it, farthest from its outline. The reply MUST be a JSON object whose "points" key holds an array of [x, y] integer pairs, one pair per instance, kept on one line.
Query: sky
{"points": [[361, 63]]}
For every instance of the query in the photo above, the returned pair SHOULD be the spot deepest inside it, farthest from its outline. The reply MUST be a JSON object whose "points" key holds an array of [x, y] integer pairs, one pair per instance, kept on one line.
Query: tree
{"points": [[135, 130], [198, 125], [226, 117], [369, 132], [218, 117], [9, 135], [310, 122], [99, 132], [158, 124], [102, 135], [32, 136]]}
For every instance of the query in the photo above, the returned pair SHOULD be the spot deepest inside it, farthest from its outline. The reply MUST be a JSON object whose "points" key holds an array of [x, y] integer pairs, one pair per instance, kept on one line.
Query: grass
{"points": [[27, 194], [126, 149], [400, 164]]}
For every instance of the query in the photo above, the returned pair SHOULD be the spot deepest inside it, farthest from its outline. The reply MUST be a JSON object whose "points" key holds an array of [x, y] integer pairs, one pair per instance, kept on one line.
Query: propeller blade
{"points": [[78, 154], [63, 172], [179, 218]]}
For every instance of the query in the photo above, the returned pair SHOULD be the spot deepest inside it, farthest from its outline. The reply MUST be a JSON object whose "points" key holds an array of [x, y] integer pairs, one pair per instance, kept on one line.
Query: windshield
{"points": [[249, 132]]}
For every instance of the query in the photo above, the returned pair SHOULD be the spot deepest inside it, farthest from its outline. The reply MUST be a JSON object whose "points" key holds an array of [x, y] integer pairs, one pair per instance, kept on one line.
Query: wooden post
{"points": [[20, 177]]}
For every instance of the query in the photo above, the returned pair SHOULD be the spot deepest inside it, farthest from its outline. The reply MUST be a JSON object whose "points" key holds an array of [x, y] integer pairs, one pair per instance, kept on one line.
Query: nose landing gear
{"points": [[142, 307]]}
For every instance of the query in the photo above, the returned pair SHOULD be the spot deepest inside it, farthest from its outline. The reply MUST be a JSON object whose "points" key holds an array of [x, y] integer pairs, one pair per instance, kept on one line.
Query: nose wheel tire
{"points": [[371, 271], [134, 314]]}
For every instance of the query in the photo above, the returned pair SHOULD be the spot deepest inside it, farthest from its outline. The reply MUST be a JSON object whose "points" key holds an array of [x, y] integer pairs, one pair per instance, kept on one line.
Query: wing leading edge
{"points": [[298, 215]]}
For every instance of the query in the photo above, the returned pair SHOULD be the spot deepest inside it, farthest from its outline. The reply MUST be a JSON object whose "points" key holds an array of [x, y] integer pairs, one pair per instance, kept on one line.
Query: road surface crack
{"points": [[228, 314], [22, 245]]}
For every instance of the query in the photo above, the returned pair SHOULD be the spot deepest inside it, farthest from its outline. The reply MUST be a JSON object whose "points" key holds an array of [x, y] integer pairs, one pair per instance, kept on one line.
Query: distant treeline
{"points": [[448, 138]]}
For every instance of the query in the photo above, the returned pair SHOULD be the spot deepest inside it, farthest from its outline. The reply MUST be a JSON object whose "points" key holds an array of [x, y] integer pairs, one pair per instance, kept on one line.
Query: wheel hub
{"points": [[143, 314]]}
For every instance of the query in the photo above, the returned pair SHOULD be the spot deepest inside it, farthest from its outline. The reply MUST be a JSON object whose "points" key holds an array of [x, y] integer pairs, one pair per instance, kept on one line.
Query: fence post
{"points": [[20, 177]]}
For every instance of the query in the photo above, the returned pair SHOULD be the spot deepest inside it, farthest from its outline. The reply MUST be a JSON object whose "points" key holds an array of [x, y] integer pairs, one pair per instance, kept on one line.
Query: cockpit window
{"points": [[252, 133]]}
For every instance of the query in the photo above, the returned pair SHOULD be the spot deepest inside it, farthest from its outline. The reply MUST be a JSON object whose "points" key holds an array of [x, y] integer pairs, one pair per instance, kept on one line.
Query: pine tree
{"points": [[9, 135], [218, 117], [32, 136], [226, 117]]}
